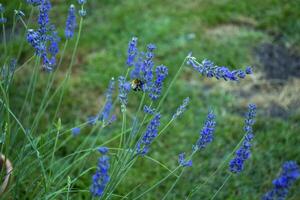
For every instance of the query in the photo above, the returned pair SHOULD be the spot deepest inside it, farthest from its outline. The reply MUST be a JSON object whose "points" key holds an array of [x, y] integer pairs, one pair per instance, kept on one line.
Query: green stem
{"points": [[173, 185], [69, 68], [24, 36], [55, 144], [24, 24], [37, 60], [171, 84], [28, 137], [158, 183], [50, 82], [4, 36], [62, 53], [24, 64], [225, 161], [225, 181]]}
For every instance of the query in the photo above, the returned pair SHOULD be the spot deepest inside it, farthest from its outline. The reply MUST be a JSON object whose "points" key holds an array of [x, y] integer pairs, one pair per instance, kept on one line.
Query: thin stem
{"points": [[55, 144], [28, 137], [225, 161], [24, 64], [158, 183], [225, 181], [136, 187], [172, 83], [50, 82], [174, 184], [36, 63], [25, 25], [4, 36], [23, 41], [62, 53], [70, 67]]}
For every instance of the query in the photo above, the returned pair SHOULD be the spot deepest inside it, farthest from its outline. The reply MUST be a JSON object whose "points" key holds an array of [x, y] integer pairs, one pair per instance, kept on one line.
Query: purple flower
{"points": [[132, 52], [290, 172], [3, 20], [101, 177], [208, 68], [124, 88], [70, 23], [49, 59], [81, 2], [136, 71], [34, 2], [2, 9], [151, 47], [111, 120], [75, 131], [103, 150], [92, 120], [183, 162], [12, 65], [151, 132], [105, 113], [7, 71], [45, 40], [43, 19], [206, 134], [33, 38], [147, 68], [248, 70], [161, 74], [181, 108], [149, 110], [236, 165]]}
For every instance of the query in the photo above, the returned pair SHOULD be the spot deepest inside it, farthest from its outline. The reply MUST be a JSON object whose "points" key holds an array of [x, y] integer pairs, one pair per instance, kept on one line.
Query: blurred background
{"points": [[262, 34]]}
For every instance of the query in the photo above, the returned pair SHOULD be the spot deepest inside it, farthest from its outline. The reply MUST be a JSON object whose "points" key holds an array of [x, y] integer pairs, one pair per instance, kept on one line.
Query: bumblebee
{"points": [[137, 84]]}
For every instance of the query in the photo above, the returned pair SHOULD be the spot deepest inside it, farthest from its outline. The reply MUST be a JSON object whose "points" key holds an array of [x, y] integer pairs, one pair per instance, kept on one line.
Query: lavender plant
{"points": [[50, 170], [289, 174]]}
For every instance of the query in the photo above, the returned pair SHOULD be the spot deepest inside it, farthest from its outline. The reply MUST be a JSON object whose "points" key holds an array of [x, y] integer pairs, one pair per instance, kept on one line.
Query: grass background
{"points": [[225, 31]]}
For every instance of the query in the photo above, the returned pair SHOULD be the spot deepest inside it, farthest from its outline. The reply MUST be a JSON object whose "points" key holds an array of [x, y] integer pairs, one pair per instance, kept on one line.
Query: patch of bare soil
{"points": [[274, 86], [278, 61]]}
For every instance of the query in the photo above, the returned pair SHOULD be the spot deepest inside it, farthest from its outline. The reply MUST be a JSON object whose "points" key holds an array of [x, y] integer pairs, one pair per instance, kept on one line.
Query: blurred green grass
{"points": [[225, 31]]}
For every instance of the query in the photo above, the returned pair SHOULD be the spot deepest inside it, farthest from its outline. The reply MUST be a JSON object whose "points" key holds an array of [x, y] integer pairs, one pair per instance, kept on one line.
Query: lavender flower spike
{"points": [[105, 113], [45, 40], [206, 134], [124, 88], [149, 110], [2, 9], [81, 2], [3, 20], [70, 23], [183, 162], [143, 145], [147, 68], [43, 19], [236, 165], [132, 52], [161, 74], [34, 2], [33, 38], [181, 108], [75, 131], [103, 150], [209, 69], [101, 177], [290, 172]]}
